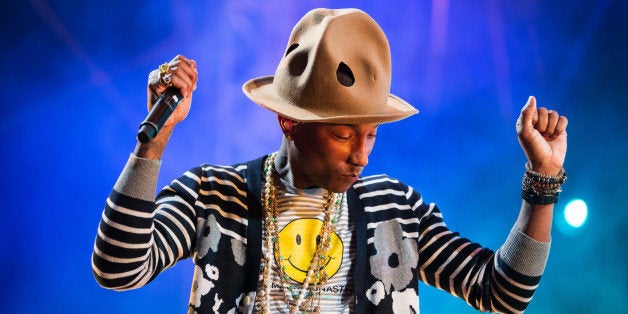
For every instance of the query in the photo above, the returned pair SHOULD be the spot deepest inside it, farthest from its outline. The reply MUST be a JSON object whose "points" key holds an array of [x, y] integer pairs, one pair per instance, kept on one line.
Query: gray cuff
{"points": [[139, 178], [524, 254]]}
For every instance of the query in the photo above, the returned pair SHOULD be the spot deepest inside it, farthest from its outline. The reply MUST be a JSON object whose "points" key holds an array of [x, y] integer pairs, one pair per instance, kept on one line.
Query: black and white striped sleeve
{"points": [[502, 281], [137, 238]]}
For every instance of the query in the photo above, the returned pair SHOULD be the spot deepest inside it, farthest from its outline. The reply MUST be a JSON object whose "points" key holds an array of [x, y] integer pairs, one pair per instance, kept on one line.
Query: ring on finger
{"points": [[164, 68], [165, 79]]}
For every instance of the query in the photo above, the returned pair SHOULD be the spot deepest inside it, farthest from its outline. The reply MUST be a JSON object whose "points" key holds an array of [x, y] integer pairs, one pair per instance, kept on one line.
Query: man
{"points": [[299, 229]]}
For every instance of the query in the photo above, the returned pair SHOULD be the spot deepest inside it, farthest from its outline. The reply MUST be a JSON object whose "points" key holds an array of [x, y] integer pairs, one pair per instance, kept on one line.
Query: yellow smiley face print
{"points": [[297, 244]]}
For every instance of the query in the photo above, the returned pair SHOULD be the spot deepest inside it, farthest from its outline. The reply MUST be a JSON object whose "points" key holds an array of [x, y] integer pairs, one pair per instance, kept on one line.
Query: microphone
{"points": [[159, 113]]}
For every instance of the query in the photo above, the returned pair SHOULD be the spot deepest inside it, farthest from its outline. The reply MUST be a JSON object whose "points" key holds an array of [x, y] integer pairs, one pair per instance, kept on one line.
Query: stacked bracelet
{"points": [[541, 189]]}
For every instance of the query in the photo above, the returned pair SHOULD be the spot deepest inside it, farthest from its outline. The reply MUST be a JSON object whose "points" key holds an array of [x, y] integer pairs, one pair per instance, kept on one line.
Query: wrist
{"points": [[551, 170], [540, 188], [539, 199], [154, 148]]}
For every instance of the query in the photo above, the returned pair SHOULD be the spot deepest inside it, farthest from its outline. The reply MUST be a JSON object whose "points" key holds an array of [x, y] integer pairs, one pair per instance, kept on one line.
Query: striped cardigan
{"points": [[213, 214]]}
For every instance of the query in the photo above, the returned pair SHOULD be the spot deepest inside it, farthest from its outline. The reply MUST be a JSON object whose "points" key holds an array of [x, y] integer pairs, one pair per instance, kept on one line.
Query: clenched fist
{"points": [[543, 136]]}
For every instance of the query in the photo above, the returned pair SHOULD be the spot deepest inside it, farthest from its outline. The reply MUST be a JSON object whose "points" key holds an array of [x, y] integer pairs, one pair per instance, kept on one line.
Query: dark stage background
{"points": [[73, 85]]}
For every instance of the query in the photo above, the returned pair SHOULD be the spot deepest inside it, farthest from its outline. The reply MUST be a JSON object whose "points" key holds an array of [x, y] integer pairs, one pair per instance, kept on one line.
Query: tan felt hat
{"points": [[336, 69]]}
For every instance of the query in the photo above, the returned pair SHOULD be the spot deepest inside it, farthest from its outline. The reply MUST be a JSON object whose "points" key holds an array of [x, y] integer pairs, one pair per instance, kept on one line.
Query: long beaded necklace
{"points": [[316, 274]]}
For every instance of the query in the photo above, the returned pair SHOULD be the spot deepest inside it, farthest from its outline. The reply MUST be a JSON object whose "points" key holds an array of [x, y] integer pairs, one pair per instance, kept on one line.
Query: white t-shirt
{"points": [[300, 218]]}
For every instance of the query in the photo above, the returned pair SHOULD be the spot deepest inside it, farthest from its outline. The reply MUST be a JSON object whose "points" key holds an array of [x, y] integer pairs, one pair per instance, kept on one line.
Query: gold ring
{"points": [[164, 68], [165, 78]]}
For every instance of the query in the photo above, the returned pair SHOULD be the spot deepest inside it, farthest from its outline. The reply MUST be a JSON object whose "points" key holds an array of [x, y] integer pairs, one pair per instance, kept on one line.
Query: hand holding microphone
{"points": [[159, 114], [169, 91]]}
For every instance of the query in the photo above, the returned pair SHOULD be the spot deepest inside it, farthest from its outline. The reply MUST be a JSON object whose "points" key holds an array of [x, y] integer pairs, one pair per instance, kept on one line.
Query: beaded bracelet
{"points": [[541, 189]]}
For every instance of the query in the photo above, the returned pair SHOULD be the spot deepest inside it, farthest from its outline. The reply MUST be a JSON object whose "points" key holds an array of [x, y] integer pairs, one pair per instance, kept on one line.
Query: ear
{"points": [[286, 125]]}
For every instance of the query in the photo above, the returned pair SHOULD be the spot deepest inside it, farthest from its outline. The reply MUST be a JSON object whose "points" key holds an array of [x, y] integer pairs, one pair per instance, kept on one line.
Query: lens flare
{"points": [[576, 213]]}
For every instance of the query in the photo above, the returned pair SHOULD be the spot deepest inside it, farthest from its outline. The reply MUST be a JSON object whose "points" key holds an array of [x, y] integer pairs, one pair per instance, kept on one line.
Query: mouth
{"points": [[352, 176], [352, 171], [305, 270]]}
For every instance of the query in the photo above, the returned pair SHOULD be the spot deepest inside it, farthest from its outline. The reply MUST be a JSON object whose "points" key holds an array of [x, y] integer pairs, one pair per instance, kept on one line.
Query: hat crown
{"points": [[337, 63], [336, 69]]}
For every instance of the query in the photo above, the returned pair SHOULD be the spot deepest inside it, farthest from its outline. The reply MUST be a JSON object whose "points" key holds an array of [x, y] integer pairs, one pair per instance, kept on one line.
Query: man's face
{"points": [[330, 156]]}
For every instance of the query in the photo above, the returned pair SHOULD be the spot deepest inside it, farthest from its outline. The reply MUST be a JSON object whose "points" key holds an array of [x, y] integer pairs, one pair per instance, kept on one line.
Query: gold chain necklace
{"points": [[316, 274]]}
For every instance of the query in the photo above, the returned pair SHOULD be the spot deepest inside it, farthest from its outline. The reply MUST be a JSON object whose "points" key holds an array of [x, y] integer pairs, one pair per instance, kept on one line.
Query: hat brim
{"points": [[261, 91]]}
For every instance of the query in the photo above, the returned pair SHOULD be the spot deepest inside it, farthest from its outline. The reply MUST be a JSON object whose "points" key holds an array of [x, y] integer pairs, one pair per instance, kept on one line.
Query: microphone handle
{"points": [[159, 113]]}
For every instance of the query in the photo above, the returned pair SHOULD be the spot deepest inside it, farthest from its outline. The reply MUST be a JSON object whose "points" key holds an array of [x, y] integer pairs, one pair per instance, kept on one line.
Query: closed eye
{"points": [[342, 137]]}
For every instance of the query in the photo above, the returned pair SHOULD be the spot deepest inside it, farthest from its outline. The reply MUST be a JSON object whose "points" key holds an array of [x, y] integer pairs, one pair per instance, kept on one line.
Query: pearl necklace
{"points": [[316, 274]]}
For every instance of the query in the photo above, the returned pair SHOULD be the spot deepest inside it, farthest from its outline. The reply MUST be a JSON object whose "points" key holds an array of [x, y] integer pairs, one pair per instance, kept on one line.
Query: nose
{"points": [[360, 154]]}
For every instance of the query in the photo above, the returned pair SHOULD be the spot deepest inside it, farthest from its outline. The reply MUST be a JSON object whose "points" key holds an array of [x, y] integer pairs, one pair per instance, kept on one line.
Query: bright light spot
{"points": [[576, 213]]}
